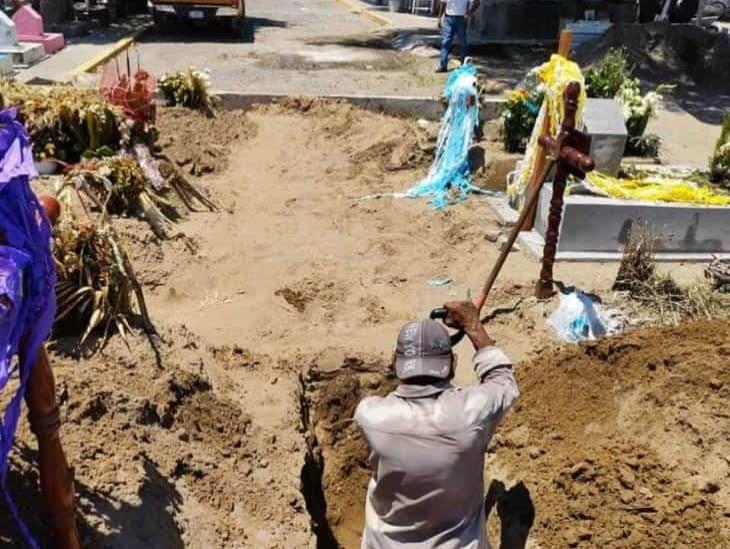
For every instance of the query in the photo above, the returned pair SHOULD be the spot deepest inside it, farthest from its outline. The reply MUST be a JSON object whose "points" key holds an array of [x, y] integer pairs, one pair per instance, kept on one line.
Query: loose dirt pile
{"points": [[624, 442], [198, 143], [166, 452], [395, 144]]}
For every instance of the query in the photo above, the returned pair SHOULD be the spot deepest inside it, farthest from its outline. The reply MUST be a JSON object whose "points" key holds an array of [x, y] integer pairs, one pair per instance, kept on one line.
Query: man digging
{"points": [[453, 18], [428, 438]]}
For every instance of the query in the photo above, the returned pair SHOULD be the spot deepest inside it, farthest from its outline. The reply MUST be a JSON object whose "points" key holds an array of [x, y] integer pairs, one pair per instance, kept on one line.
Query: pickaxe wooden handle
{"points": [[569, 152]]}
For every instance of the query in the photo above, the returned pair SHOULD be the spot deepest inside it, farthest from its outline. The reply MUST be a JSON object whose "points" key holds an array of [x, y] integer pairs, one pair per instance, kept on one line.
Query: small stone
{"points": [[627, 478], [534, 452], [577, 470], [517, 438], [274, 380], [502, 242], [626, 497], [492, 235], [646, 493], [576, 536], [716, 384]]}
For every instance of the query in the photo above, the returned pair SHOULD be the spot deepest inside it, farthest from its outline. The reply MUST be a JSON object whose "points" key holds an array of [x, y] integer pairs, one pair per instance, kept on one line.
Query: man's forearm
{"points": [[479, 336], [473, 7], [442, 9]]}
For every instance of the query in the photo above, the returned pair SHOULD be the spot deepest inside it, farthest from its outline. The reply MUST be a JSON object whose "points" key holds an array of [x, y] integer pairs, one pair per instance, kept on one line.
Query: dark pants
{"points": [[454, 26]]}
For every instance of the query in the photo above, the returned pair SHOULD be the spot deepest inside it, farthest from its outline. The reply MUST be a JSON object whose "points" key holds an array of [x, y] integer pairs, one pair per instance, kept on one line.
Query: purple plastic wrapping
{"points": [[27, 281]]}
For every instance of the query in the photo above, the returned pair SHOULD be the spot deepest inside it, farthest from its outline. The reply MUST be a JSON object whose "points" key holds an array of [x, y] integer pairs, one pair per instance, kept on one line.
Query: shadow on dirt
{"points": [[515, 510], [115, 523]]}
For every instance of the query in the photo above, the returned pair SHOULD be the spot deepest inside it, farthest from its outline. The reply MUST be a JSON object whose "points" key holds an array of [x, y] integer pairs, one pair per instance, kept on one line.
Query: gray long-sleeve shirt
{"points": [[427, 455]]}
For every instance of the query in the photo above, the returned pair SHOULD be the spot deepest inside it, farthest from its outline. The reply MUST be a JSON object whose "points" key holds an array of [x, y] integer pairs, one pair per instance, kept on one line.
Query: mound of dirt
{"points": [[336, 476], [198, 143], [165, 452], [371, 140], [624, 442]]}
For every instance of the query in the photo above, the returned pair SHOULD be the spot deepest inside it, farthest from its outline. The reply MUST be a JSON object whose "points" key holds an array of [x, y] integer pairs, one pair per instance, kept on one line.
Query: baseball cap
{"points": [[424, 349]]}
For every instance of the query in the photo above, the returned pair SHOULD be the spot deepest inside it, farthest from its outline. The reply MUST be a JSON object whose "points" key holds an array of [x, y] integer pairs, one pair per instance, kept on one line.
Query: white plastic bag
{"points": [[578, 318]]}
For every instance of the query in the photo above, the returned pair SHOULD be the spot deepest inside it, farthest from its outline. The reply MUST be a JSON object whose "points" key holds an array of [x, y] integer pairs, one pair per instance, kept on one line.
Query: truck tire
{"points": [[160, 21], [240, 28]]}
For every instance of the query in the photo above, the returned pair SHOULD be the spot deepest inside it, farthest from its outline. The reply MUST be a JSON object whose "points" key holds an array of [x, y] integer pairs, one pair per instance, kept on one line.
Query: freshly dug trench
{"points": [[616, 443], [336, 473]]}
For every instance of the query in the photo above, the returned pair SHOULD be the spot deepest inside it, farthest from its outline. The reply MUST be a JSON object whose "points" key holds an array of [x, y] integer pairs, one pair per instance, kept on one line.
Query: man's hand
{"points": [[463, 315]]}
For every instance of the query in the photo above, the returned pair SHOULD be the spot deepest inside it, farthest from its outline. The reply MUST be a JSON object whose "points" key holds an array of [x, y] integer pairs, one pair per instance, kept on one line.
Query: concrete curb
{"points": [[365, 12], [103, 57], [429, 108]]}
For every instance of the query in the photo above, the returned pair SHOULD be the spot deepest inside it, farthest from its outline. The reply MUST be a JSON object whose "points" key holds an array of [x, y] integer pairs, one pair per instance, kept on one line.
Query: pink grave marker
{"points": [[29, 26]]}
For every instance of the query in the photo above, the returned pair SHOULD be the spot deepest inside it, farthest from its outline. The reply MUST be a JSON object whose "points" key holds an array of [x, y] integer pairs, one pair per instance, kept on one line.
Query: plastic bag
{"points": [[579, 318]]}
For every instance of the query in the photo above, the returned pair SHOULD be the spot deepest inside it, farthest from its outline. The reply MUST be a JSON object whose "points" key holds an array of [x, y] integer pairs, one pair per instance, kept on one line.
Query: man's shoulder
{"points": [[377, 411]]}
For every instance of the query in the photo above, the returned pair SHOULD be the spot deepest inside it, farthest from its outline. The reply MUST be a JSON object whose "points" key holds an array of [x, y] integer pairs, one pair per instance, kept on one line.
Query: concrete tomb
{"points": [[20, 53], [29, 26], [604, 122]]}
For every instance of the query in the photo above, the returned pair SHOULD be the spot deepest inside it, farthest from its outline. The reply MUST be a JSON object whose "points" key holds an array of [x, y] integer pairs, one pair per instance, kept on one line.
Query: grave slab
{"points": [[604, 122], [21, 53], [6, 65], [596, 228], [29, 28]]}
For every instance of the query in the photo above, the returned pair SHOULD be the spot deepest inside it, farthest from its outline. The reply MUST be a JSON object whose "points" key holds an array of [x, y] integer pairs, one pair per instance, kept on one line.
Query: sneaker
{"points": [[441, 70]]}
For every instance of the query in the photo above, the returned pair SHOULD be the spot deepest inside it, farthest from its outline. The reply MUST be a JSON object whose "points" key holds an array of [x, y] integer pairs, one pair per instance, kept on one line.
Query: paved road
{"points": [[297, 47]]}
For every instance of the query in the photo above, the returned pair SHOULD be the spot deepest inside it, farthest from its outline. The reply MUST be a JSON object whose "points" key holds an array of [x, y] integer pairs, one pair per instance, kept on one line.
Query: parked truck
{"points": [[204, 11]]}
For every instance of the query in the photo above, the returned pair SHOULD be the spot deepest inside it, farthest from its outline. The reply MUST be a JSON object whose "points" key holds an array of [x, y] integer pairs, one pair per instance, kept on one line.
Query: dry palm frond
{"points": [[118, 185], [96, 284], [637, 264], [660, 293], [189, 89], [718, 273]]}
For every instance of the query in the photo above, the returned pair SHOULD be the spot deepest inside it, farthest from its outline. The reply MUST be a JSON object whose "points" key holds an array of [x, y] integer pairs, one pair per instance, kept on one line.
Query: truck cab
{"points": [[202, 11]]}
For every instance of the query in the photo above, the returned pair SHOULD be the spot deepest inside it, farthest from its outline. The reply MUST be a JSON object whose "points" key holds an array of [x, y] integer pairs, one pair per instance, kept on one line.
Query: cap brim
{"points": [[438, 366]]}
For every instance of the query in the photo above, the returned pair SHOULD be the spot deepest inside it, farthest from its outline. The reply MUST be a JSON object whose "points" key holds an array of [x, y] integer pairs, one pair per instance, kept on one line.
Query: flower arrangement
{"points": [[606, 79], [518, 115], [613, 78], [638, 110], [190, 88]]}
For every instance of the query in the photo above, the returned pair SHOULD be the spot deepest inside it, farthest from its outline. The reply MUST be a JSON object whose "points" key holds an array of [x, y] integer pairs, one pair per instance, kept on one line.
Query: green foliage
{"points": [[720, 161], [608, 76], [190, 89], [646, 145], [67, 123], [518, 115]]}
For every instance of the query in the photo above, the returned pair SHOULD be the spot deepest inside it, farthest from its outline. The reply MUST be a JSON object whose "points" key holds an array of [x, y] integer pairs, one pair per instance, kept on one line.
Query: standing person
{"points": [[453, 17], [428, 439]]}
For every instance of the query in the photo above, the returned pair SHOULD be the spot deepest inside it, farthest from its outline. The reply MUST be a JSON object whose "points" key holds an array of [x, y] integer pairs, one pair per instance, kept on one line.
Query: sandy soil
{"points": [[621, 443], [206, 444]]}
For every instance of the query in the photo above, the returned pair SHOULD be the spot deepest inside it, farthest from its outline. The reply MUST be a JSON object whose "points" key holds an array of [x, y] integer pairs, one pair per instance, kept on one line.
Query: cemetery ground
{"points": [[305, 47], [277, 313]]}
